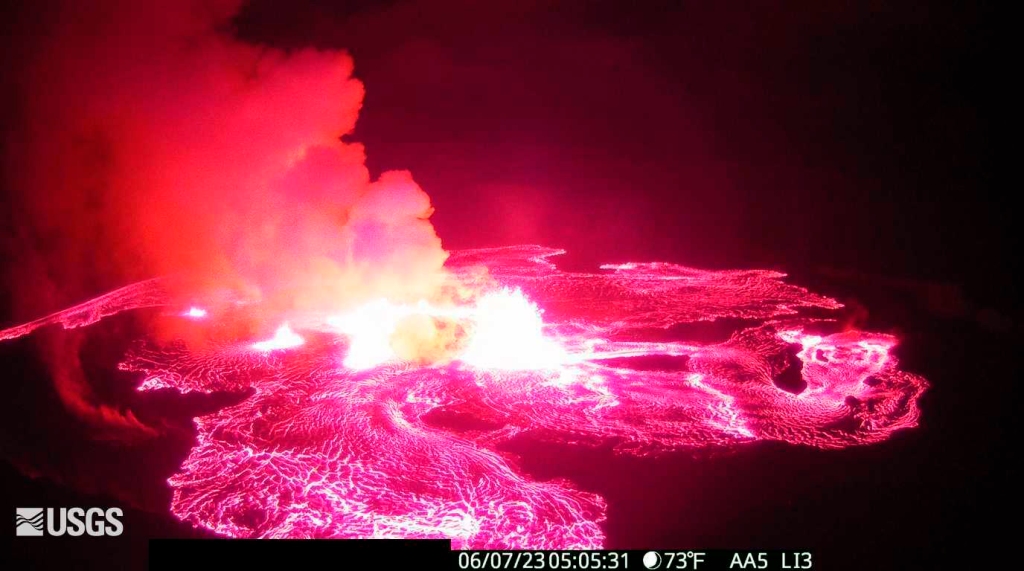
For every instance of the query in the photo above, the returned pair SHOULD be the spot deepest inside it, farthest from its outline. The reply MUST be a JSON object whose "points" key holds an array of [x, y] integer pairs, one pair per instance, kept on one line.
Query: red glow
{"points": [[341, 439]]}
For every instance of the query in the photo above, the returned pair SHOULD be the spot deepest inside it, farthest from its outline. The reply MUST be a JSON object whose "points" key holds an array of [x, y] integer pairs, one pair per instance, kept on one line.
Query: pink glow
{"points": [[342, 439], [195, 313]]}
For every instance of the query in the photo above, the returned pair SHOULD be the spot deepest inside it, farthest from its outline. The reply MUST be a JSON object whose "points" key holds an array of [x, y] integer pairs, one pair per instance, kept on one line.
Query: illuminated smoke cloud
{"points": [[341, 438], [153, 143]]}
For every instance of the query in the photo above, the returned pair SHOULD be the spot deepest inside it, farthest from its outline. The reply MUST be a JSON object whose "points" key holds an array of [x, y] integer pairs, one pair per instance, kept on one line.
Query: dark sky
{"points": [[810, 134]]}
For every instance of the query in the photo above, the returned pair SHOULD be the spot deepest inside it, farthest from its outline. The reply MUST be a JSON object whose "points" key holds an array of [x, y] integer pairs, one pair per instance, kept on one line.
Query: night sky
{"points": [[853, 135]]}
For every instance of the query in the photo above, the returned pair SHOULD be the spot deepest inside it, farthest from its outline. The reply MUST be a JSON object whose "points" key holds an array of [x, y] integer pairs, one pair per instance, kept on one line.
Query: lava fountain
{"points": [[347, 431]]}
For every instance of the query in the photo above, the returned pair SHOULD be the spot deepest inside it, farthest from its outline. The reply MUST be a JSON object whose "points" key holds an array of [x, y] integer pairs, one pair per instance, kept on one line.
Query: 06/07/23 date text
{"points": [[610, 560]]}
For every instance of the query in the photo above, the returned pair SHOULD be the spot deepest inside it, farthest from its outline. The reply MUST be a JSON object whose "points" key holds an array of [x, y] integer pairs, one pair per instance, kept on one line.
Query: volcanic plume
{"points": [[153, 143]]}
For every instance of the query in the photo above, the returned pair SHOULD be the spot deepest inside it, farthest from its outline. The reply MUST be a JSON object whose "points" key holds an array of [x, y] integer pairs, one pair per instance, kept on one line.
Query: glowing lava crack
{"points": [[340, 438]]}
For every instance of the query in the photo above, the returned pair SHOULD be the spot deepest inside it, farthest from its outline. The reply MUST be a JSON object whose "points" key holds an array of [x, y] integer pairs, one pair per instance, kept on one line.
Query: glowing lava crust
{"points": [[342, 437]]}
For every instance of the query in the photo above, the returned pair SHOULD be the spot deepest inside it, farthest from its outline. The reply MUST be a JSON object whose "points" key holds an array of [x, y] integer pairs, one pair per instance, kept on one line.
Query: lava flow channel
{"points": [[338, 438]]}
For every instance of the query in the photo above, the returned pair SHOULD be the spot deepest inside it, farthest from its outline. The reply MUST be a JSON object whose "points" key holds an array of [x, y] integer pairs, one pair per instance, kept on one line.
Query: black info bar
{"points": [[215, 554]]}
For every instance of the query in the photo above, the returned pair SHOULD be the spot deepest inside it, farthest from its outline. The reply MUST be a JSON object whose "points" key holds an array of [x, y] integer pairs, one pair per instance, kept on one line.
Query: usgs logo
{"points": [[68, 521]]}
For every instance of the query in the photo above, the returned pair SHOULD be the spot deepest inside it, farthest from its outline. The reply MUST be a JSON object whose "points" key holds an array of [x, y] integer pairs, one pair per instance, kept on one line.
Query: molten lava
{"points": [[345, 434]]}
